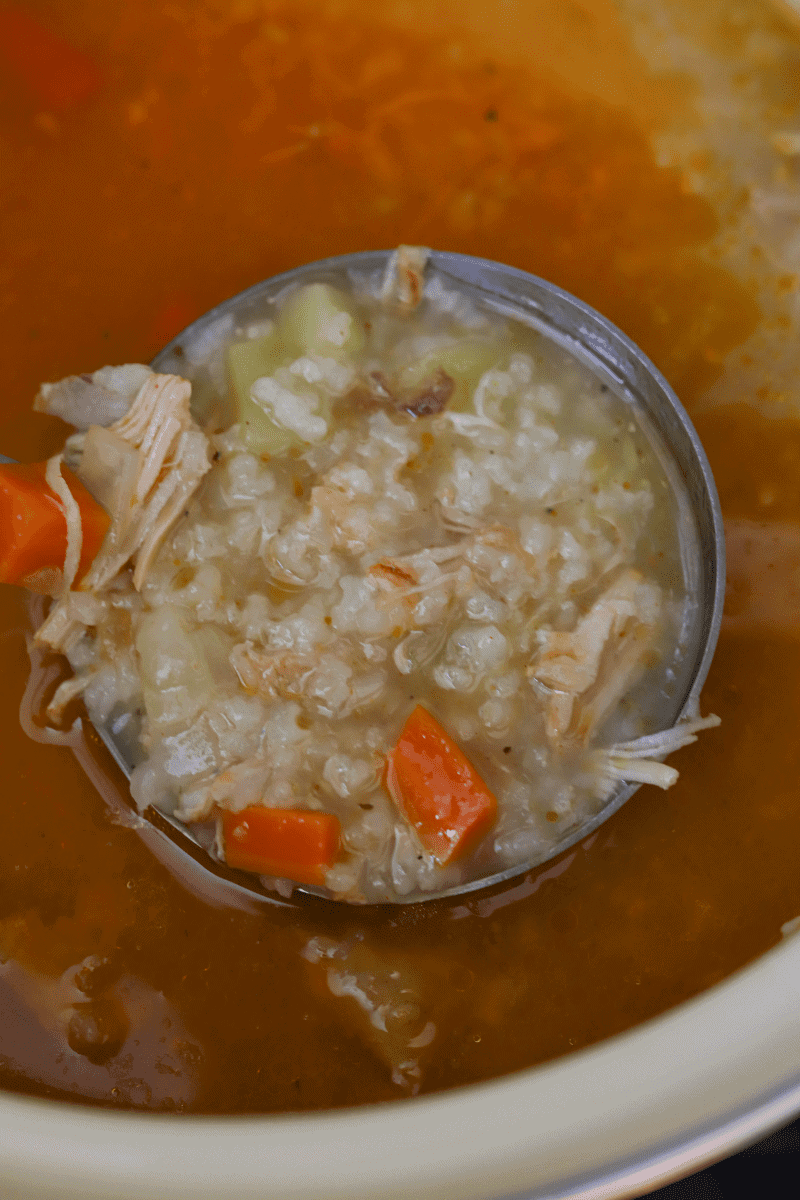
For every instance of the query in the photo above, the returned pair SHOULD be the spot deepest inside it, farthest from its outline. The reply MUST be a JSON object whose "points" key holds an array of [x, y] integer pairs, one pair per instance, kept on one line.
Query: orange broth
{"points": [[216, 144]]}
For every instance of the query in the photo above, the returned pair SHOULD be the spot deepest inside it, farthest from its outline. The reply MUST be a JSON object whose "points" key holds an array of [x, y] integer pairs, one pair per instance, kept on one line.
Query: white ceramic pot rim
{"points": [[631, 1113]]}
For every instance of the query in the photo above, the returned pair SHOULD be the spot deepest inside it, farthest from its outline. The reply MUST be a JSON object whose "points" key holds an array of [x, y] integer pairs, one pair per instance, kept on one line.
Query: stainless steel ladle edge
{"points": [[616, 361]]}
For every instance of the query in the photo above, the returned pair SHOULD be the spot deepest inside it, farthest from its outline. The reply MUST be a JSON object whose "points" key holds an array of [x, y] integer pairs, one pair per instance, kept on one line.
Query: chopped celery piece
{"points": [[319, 319], [464, 361], [247, 362]]}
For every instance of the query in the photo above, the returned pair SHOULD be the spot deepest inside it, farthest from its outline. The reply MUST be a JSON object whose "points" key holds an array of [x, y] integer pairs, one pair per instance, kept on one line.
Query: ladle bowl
{"points": [[617, 363]]}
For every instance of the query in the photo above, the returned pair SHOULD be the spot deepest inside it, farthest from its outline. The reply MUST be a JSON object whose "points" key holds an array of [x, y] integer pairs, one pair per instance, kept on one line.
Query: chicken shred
{"points": [[638, 761], [66, 691], [589, 668], [72, 514], [403, 282], [172, 459]]}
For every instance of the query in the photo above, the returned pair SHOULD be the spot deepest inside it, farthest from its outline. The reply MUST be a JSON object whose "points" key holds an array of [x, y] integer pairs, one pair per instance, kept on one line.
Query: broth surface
{"points": [[225, 143]]}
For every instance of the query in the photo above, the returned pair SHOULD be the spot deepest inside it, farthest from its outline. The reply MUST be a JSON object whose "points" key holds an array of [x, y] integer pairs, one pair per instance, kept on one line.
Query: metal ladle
{"points": [[618, 364]]}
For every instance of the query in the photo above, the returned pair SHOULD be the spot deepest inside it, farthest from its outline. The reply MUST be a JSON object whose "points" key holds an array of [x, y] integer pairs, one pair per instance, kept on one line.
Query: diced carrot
{"points": [[288, 842], [33, 524], [437, 789], [57, 74]]}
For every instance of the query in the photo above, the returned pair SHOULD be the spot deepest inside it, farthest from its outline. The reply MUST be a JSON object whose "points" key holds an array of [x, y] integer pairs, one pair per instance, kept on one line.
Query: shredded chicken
{"points": [[639, 761], [418, 582], [411, 571], [453, 519], [474, 424], [158, 438], [97, 399], [67, 620], [72, 514], [67, 691], [403, 281], [173, 457], [325, 682], [272, 673], [588, 669]]}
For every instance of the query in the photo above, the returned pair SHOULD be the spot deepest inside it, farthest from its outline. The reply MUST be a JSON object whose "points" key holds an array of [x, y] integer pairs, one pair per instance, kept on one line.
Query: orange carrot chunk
{"points": [[288, 842], [33, 528], [55, 73], [437, 789]]}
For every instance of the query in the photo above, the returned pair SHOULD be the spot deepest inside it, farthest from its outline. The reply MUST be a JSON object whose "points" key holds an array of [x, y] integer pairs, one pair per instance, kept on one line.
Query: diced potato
{"points": [[464, 362], [316, 320], [302, 413], [261, 435], [247, 362], [321, 320]]}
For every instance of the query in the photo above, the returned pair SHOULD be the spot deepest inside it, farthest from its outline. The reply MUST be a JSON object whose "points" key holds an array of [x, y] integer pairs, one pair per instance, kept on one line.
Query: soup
{"points": [[121, 969]]}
